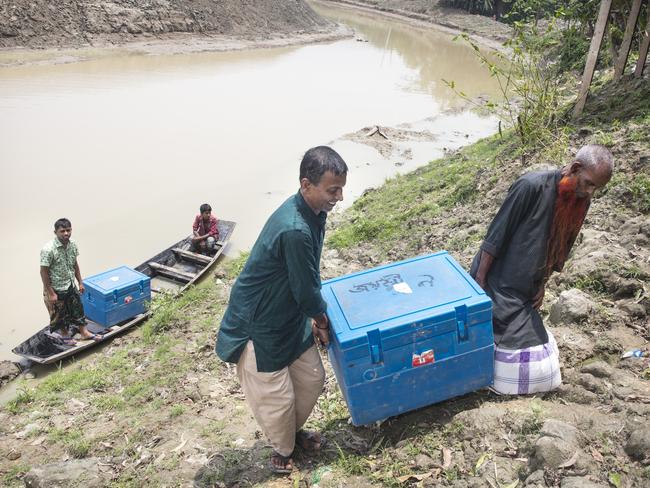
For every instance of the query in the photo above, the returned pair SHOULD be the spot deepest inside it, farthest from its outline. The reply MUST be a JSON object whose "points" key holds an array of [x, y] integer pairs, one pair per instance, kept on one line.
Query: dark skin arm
{"points": [[198, 237], [539, 298], [77, 274], [484, 268], [47, 285], [320, 328]]}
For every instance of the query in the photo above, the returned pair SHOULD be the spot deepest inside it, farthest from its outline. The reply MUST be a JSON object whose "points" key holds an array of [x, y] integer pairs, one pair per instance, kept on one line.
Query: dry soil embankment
{"points": [[71, 23]]}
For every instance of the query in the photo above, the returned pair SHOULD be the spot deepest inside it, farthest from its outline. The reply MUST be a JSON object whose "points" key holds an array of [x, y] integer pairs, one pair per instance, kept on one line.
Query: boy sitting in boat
{"points": [[205, 231], [59, 269]]}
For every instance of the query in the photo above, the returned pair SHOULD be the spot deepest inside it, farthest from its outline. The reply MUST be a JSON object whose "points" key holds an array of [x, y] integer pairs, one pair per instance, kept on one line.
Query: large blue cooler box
{"points": [[407, 335], [116, 295]]}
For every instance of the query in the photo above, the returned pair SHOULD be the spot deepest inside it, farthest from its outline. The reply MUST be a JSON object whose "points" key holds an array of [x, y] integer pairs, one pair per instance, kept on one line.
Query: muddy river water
{"points": [[128, 146]]}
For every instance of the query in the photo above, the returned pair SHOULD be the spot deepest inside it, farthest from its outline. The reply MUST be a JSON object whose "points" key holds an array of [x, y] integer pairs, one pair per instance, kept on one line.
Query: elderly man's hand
{"points": [[481, 281], [539, 298], [321, 329]]}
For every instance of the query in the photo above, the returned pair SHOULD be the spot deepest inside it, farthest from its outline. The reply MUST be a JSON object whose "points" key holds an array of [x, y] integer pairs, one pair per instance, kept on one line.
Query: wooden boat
{"points": [[173, 271]]}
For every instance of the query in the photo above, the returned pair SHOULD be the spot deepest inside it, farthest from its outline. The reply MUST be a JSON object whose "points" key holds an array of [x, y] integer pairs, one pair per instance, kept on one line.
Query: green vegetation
{"points": [[75, 441], [531, 89], [572, 25], [333, 410], [397, 212], [590, 283], [351, 463], [23, 397], [176, 411], [125, 379], [235, 266], [12, 477], [533, 423], [171, 310], [631, 190], [599, 282]]}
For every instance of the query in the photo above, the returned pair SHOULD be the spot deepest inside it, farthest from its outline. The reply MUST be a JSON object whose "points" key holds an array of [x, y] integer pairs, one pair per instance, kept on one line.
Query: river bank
{"points": [[31, 33], [34, 33], [40, 24]]}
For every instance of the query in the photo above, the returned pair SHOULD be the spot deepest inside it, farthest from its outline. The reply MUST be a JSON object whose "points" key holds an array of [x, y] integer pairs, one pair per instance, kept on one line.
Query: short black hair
{"points": [[62, 223], [205, 207], [320, 159]]}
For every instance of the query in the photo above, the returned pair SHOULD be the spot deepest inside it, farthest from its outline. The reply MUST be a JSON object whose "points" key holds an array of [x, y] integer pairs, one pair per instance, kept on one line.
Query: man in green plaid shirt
{"points": [[59, 269]]}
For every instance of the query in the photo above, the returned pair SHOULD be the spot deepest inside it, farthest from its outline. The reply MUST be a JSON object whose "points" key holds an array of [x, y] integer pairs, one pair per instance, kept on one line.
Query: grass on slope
{"points": [[395, 211]]}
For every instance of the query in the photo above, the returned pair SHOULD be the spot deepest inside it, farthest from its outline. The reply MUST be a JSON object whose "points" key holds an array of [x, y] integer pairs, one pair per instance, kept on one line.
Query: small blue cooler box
{"points": [[407, 335], [116, 295]]}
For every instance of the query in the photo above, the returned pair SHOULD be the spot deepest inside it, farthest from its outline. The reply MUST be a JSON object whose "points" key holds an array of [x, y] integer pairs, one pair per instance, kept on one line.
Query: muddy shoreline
{"points": [[179, 43], [50, 52], [427, 14]]}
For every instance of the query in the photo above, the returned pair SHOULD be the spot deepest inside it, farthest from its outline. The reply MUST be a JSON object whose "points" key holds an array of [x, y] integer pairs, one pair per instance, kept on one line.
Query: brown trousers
{"points": [[282, 401]]}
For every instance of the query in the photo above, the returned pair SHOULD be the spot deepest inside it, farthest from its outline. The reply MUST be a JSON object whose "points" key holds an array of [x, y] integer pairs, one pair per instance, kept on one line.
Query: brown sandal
{"points": [[280, 464]]}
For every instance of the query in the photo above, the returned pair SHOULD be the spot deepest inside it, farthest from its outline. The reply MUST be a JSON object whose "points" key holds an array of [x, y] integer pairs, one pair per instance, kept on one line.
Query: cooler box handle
{"points": [[115, 296], [374, 344], [461, 323]]}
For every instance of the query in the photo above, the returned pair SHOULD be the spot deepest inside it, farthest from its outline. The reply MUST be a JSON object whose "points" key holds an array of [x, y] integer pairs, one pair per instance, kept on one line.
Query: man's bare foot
{"points": [[86, 334], [309, 441]]}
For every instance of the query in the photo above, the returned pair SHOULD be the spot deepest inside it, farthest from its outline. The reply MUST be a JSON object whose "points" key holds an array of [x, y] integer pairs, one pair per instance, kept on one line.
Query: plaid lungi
{"points": [[530, 370], [66, 311]]}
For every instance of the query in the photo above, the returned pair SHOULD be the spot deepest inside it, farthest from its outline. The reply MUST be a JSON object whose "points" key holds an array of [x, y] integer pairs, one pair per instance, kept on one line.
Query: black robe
{"points": [[518, 238]]}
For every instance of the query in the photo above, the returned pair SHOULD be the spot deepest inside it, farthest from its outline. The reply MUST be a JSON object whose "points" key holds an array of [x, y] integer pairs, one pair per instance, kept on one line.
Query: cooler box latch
{"points": [[374, 343], [461, 323]]}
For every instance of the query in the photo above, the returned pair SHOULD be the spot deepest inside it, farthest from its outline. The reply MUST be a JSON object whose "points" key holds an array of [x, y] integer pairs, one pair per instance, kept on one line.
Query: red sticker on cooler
{"points": [[425, 357], [128, 299]]}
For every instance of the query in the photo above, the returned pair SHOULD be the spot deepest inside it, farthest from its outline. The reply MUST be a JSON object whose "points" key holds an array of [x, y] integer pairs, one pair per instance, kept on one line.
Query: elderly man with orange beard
{"points": [[530, 237]]}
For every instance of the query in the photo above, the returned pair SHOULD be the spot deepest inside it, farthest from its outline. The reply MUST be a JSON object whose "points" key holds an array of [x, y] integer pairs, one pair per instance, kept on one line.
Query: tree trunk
{"points": [[498, 9]]}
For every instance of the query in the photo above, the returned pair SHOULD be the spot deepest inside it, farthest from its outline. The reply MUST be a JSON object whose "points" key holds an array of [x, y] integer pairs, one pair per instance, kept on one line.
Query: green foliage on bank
{"points": [[170, 310], [632, 190], [234, 266], [572, 25], [130, 384], [397, 211]]}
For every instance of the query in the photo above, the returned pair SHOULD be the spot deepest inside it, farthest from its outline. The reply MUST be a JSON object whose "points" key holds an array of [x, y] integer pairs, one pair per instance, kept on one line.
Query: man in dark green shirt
{"points": [[276, 310]]}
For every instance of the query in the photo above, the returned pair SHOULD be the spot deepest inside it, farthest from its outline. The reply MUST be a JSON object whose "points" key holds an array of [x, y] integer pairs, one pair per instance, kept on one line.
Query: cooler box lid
{"points": [[116, 280], [399, 294]]}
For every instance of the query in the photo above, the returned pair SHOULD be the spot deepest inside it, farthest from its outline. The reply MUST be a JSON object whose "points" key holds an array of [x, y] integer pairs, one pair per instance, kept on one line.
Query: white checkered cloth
{"points": [[530, 370]]}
